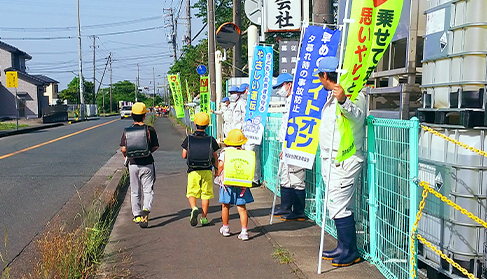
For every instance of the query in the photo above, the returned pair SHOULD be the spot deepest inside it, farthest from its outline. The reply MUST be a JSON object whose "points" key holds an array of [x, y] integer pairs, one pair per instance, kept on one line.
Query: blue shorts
{"points": [[232, 195]]}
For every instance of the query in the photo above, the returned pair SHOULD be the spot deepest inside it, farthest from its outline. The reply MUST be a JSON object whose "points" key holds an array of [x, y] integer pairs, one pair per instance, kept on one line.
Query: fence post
{"points": [[413, 190], [372, 187]]}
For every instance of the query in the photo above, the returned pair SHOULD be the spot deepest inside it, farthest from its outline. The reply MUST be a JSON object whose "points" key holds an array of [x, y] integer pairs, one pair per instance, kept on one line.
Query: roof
{"points": [[14, 50], [46, 79], [29, 78]]}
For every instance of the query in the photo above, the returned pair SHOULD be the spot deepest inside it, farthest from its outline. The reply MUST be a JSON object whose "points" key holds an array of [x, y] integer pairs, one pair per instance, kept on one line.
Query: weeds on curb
{"points": [[79, 252], [282, 255], [3, 258]]}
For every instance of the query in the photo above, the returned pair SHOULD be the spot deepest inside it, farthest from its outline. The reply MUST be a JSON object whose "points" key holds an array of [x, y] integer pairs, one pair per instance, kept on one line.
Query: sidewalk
{"points": [[171, 248]]}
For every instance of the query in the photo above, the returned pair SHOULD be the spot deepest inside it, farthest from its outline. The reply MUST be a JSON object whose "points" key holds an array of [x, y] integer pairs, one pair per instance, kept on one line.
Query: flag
{"points": [[308, 98], [375, 22], [204, 95], [259, 94], [177, 96]]}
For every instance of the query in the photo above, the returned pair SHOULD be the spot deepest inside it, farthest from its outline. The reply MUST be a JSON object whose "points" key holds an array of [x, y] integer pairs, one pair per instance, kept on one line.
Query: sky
{"points": [[47, 31]]}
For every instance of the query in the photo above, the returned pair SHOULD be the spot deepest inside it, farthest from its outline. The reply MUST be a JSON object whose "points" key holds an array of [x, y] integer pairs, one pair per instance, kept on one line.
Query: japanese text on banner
{"points": [[259, 94], [308, 97], [368, 38], [175, 85], [204, 95]]}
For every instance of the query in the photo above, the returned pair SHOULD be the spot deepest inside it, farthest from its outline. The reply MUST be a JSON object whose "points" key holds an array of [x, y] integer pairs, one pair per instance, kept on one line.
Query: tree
{"points": [[72, 92]]}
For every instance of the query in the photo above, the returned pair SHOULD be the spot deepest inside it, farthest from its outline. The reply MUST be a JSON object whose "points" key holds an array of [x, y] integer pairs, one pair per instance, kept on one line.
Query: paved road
{"points": [[36, 183]]}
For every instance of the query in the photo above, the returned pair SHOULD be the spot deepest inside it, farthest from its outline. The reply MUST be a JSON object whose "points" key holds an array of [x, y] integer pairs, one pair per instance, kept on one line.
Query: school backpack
{"points": [[137, 140], [200, 152]]}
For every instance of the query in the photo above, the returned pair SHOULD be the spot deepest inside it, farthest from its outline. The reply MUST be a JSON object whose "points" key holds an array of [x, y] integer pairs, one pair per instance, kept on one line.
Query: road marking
{"points": [[54, 140]]}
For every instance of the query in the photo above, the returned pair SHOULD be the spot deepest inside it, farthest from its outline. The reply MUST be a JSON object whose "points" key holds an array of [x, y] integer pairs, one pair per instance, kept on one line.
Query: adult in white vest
{"points": [[226, 113], [344, 176], [293, 192]]}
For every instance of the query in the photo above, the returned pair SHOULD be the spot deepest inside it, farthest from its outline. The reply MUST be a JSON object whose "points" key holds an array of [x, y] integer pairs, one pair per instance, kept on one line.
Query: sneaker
{"points": [[194, 217], [225, 231], [204, 221], [144, 219], [243, 236], [136, 219]]}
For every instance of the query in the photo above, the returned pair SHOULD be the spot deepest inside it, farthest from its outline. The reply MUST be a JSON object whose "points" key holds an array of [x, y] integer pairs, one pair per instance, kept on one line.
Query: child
{"points": [[239, 196], [141, 168], [200, 151]]}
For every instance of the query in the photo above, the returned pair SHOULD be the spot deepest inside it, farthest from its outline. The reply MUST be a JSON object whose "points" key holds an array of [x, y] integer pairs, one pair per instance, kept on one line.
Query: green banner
{"points": [[177, 96], [374, 25], [204, 95], [187, 92]]}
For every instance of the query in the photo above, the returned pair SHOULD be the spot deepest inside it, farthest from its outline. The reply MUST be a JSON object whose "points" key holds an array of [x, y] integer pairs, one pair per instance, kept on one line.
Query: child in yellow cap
{"points": [[228, 195], [200, 151]]}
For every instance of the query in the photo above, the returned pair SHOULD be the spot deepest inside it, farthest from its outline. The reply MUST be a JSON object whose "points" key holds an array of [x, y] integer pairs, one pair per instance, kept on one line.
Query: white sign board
{"points": [[283, 15], [435, 22]]}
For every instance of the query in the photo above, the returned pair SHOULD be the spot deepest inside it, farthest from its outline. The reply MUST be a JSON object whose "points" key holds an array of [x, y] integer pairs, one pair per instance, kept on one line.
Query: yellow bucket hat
{"points": [[235, 138], [139, 108], [201, 119]]}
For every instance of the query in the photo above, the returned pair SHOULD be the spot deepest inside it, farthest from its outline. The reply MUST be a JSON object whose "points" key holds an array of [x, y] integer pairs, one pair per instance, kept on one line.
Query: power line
{"points": [[73, 37], [69, 28]]}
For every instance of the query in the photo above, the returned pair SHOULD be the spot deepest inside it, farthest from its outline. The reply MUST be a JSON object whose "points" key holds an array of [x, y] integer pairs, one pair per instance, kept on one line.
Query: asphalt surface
{"points": [[171, 248], [35, 184]]}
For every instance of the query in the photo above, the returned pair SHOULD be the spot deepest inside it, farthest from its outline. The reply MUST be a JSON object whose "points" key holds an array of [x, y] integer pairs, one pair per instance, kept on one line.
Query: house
{"points": [[51, 88], [31, 89]]}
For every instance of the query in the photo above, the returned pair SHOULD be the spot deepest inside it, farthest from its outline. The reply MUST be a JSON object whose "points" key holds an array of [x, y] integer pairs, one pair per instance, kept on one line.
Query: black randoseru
{"points": [[137, 141], [199, 152]]}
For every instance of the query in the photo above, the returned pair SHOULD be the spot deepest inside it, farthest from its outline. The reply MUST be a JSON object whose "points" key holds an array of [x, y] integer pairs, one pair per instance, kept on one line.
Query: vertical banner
{"points": [[190, 109], [187, 92], [375, 22], [177, 96], [309, 96], [204, 95], [259, 94]]}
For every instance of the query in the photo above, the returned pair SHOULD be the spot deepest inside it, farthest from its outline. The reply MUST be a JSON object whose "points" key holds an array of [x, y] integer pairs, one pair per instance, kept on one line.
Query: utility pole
{"points": [[137, 83], [211, 49], [322, 11], [172, 37], [94, 77], [188, 24], [237, 49], [80, 70], [110, 82], [154, 83]]}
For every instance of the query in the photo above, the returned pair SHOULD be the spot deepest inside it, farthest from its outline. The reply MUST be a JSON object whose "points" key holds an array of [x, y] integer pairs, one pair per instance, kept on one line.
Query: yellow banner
{"points": [[175, 85], [374, 25], [204, 95], [12, 80]]}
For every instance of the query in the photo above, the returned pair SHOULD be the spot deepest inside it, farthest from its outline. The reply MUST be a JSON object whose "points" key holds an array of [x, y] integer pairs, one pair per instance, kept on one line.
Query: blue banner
{"points": [[309, 97], [259, 94]]}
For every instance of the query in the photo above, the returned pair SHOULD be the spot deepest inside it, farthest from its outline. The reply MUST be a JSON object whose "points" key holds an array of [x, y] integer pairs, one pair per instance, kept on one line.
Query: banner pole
{"points": [[346, 21], [275, 191]]}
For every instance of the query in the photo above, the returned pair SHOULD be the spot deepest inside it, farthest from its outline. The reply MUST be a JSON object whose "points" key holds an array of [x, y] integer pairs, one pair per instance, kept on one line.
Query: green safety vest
{"points": [[239, 167]]}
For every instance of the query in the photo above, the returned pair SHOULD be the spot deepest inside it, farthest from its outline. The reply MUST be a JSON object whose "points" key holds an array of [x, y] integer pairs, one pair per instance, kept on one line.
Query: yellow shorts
{"points": [[200, 184]]}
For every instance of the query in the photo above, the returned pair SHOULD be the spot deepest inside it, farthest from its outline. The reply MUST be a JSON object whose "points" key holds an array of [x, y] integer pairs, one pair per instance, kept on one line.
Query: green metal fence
{"points": [[384, 212]]}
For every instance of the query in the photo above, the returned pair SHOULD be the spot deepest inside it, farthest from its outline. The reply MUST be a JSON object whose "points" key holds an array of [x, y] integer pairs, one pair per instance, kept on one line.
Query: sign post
{"points": [[12, 81]]}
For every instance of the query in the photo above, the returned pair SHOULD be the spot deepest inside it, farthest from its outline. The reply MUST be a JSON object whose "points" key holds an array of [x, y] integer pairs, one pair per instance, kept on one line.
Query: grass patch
{"points": [[282, 255], [77, 253], [11, 126]]}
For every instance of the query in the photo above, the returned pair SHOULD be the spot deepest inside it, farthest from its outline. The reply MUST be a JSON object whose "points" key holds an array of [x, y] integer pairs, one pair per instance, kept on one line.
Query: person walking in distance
{"points": [[138, 142], [344, 176], [293, 192], [199, 149]]}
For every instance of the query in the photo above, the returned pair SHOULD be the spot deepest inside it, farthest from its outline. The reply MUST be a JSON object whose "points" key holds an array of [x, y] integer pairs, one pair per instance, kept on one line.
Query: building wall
{"points": [[7, 100], [28, 92], [51, 92]]}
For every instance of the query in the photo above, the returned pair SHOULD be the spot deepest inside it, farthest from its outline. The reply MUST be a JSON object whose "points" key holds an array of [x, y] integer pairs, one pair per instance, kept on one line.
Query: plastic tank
{"points": [[455, 51], [461, 176]]}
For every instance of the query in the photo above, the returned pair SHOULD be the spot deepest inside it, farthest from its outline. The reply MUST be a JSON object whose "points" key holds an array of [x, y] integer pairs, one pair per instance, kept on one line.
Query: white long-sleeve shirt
{"points": [[239, 113], [285, 119], [355, 112]]}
